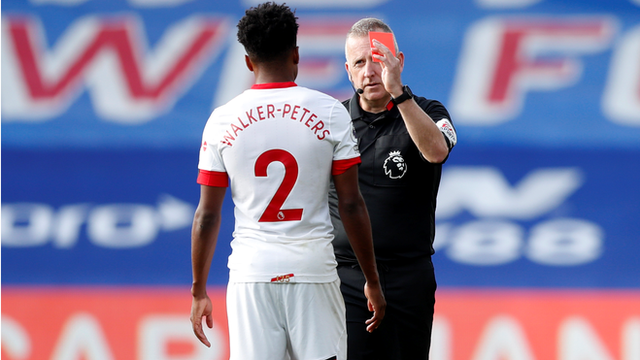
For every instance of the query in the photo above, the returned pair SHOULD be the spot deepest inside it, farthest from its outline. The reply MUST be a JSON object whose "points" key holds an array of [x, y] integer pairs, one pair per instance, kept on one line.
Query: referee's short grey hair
{"points": [[364, 26]]}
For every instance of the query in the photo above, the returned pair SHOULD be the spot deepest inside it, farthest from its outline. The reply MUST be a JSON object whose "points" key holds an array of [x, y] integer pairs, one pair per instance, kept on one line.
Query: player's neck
{"points": [[273, 79], [279, 70], [274, 74]]}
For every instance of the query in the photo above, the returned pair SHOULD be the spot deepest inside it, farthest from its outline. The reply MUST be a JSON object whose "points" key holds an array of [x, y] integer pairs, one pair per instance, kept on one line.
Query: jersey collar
{"points": [[356, 112], [277, 85]]}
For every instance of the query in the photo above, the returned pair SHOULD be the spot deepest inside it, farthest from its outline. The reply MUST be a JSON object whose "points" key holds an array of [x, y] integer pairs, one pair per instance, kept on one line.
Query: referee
{"points": [[403, 141]]}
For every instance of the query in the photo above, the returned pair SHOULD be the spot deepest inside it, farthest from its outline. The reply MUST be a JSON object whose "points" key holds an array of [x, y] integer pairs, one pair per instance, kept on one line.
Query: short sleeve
{"points": [[441, 117], [213, 178], [211, 167], [346, 146]]}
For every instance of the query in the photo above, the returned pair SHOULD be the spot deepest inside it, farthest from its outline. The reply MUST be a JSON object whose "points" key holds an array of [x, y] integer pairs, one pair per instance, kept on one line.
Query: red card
{"points": [[384, 38]]}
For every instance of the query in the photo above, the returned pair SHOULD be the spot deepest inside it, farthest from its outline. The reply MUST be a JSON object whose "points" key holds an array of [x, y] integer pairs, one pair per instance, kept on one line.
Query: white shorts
{"points": [[297, 321]]}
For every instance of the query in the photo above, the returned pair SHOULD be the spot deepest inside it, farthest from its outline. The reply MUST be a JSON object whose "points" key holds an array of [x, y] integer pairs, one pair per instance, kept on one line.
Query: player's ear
{"points": [[248, 62], [296, 56]]}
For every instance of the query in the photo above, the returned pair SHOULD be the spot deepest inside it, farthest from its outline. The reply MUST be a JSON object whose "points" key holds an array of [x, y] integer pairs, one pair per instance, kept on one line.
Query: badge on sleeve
{"points": [[447, 129]]}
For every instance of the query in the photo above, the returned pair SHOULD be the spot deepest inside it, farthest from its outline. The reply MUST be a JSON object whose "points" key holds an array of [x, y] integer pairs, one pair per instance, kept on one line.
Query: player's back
{"points": [[277, 146]]}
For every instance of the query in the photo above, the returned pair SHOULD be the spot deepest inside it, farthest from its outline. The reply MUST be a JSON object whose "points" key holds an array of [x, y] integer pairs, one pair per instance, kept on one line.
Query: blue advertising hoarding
{"points": [[103, 105], [507, 218]]}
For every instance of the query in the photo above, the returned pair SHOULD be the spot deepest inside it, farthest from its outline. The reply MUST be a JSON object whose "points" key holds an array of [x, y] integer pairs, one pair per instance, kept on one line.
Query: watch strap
{"points": [[406, 95]]}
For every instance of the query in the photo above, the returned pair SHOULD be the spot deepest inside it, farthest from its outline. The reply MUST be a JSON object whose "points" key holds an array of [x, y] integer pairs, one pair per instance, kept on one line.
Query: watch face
{"points": [[406, 94], [408, 90]]}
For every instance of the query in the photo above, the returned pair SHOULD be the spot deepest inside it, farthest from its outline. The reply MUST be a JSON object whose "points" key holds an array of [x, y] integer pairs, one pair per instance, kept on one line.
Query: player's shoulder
{"points": [[236, 101], [230, 107], [317, 95]]}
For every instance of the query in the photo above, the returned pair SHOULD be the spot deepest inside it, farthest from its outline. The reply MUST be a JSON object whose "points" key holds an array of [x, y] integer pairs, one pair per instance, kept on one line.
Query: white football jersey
{"points": [[278, 145]]}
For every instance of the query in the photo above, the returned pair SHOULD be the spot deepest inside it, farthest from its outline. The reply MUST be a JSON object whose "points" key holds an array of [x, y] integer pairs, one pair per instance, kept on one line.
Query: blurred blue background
{"points": [[103, 104]]}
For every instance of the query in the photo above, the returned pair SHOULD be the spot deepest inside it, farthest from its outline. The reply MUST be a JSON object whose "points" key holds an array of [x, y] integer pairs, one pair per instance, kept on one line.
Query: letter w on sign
{"points": [[127, 82]]}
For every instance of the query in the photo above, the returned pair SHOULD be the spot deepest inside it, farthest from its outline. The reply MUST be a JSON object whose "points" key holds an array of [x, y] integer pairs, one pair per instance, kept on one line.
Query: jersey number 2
{"points": [[274, 211]]}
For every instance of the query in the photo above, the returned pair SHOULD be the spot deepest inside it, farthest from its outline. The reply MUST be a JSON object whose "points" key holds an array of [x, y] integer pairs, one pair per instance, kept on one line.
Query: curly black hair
{"points": [[268, 32]]}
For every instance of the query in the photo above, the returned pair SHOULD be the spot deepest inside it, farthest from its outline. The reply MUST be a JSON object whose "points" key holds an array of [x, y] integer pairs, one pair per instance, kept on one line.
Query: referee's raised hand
{"points": [[392, 66]]}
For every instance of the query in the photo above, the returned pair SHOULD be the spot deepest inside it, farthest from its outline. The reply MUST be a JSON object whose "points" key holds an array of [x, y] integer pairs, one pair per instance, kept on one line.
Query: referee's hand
{"points": [[376, 303], [201, 307]]}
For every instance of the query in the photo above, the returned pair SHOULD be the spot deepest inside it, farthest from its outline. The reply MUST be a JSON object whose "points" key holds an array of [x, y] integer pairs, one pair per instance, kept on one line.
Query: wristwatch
{"points": [[406, 95]]}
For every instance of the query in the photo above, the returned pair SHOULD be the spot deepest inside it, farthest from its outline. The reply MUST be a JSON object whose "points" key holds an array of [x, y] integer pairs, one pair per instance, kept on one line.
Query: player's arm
{"points": [[204, 235], [357, 225]]}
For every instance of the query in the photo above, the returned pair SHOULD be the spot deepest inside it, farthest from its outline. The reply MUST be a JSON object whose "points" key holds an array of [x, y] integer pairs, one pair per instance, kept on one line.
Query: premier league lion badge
{"points": [[394, 165]]}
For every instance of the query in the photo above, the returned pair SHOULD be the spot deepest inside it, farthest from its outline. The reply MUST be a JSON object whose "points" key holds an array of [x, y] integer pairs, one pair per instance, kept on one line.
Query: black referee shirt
{"points": [[398, 185]]}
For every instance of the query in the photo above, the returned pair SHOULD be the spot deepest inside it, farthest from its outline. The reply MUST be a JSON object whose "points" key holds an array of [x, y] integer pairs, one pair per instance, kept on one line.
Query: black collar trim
{"points": [[357, 113]]}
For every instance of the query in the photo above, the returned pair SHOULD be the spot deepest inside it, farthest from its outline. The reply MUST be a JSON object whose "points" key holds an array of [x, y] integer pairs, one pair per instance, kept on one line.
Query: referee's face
{"points": [[363, 72]]}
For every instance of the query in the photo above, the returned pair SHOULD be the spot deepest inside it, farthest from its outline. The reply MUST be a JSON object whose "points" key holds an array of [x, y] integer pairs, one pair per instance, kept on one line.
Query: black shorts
{"points": [[405, 333]]}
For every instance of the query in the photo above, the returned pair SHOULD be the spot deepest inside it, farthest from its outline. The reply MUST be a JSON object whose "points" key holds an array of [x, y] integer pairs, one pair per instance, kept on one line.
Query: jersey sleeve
{"points": [[441, 117], [213, 178], [340, 166], [344, 135], [210, 165]]}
